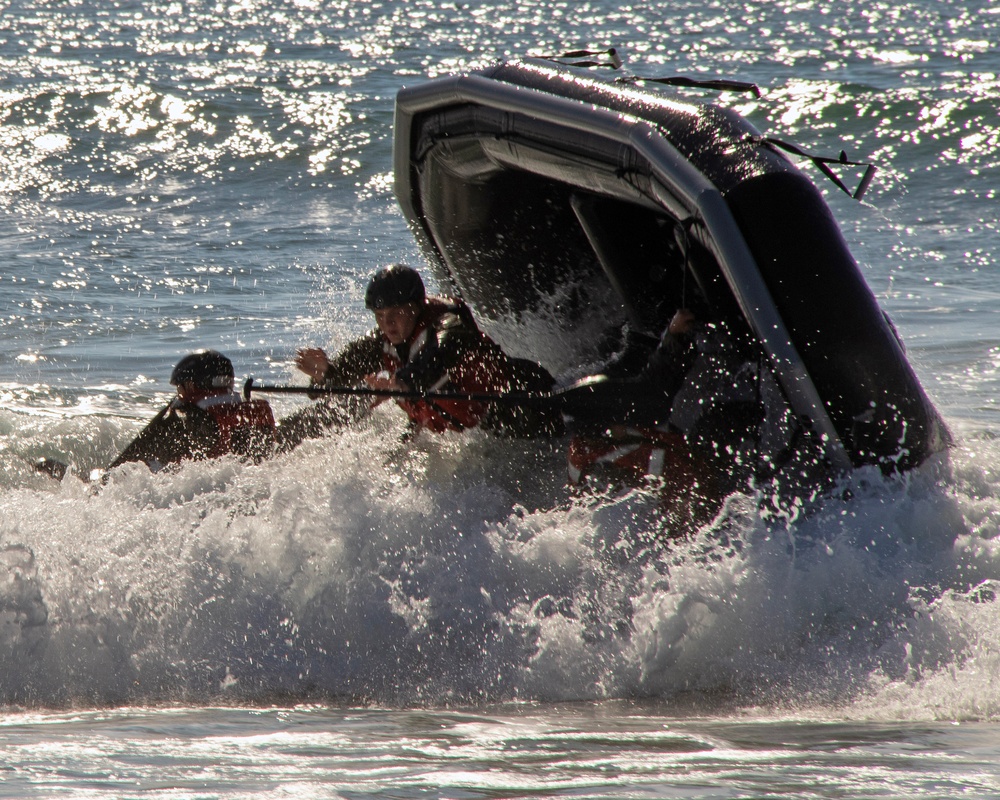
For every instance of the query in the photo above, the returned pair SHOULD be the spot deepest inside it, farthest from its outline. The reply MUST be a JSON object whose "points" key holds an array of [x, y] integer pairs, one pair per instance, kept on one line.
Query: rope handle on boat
{"points": [[719, 84], [723, 85], [614, 60], [822, 161]]}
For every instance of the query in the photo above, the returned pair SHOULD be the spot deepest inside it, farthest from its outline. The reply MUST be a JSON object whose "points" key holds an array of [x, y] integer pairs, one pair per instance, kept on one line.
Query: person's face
{"points": [[190, 392], [397, 322]]}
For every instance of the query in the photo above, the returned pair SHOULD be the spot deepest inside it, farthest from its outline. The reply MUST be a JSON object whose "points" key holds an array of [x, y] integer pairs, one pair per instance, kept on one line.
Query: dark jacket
{"points": [[214, 426], [446, 352]]}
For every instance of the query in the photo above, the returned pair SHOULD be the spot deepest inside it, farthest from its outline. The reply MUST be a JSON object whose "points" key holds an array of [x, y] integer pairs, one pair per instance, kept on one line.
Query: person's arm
{"points": [[348, 368], [674, 356], [181, 431], [359, 358], [646, 399]]}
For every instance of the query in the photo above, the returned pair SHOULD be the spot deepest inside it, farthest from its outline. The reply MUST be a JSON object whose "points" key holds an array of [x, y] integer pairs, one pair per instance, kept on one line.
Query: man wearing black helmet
{"points": [[421, 343], [205, 420]]}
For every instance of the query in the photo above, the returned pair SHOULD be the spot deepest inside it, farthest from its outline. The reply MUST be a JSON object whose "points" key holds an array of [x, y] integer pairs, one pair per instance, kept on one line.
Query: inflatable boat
{"points": [[531, 177]]}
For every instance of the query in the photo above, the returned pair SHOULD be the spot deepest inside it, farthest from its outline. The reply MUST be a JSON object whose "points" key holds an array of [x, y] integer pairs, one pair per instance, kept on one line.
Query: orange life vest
{"points": [[629, 456], [479, 370], [630, 452], [239, 421]]}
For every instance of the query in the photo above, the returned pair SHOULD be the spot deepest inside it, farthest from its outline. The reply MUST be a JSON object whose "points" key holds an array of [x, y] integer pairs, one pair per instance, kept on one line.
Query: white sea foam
{"points": [[457, 569]]}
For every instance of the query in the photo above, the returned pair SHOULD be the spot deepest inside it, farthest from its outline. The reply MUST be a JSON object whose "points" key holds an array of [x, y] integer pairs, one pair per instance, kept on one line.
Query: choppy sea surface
{"points": [[359, 618]]}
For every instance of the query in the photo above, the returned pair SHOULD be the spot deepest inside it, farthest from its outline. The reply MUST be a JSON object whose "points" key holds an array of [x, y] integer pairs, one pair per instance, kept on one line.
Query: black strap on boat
{"points": [[613, 61], [758, 449], [719, 84], [681, 236], [822, 161]]}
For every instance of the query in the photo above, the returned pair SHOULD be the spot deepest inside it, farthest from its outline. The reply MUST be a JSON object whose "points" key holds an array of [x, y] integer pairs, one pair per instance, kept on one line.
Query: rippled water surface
{"points": [[610, 751], [361, 619]]}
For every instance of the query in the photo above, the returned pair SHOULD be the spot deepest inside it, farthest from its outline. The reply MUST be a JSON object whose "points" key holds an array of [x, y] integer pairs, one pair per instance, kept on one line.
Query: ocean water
{"points": [[360, 618]]}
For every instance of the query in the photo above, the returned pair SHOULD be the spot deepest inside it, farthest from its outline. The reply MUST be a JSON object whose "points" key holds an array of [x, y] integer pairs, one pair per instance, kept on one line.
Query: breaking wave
{"points": [[458, 570]]}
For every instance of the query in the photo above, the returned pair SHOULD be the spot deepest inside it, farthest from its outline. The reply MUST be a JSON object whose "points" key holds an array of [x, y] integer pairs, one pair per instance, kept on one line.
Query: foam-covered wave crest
{"points": [[457, 569]]}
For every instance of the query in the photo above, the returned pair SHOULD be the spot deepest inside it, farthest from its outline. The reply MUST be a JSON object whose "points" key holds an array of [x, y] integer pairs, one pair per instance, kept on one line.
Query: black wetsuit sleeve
{"points": [[177, 433], [359, 358], [651, 394], [645, 400], [669, 363]]}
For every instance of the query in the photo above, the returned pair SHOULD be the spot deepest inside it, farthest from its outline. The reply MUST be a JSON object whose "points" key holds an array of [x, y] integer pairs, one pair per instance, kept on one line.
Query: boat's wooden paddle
{"points": [[596, 396]]}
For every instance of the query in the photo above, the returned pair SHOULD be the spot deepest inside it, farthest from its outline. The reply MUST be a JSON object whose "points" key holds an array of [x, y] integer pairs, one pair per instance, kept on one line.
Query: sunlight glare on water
{"points": [[184, 175]]}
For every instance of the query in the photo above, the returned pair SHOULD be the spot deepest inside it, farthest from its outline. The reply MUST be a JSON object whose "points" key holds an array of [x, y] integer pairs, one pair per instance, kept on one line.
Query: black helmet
{"points": [[206, 369], [395, 285]]}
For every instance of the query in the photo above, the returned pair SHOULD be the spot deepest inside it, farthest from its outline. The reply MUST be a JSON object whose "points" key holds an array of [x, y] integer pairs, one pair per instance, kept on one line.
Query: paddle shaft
{"points": [[512, 398]]}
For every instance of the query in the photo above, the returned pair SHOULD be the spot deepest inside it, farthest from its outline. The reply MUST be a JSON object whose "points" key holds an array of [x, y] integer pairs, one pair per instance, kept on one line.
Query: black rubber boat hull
{"points": [[529, 175]]}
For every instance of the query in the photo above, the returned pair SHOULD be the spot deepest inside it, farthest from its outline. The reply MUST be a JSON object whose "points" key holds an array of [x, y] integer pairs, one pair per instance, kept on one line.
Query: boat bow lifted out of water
{"points": [[530, 176]]}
